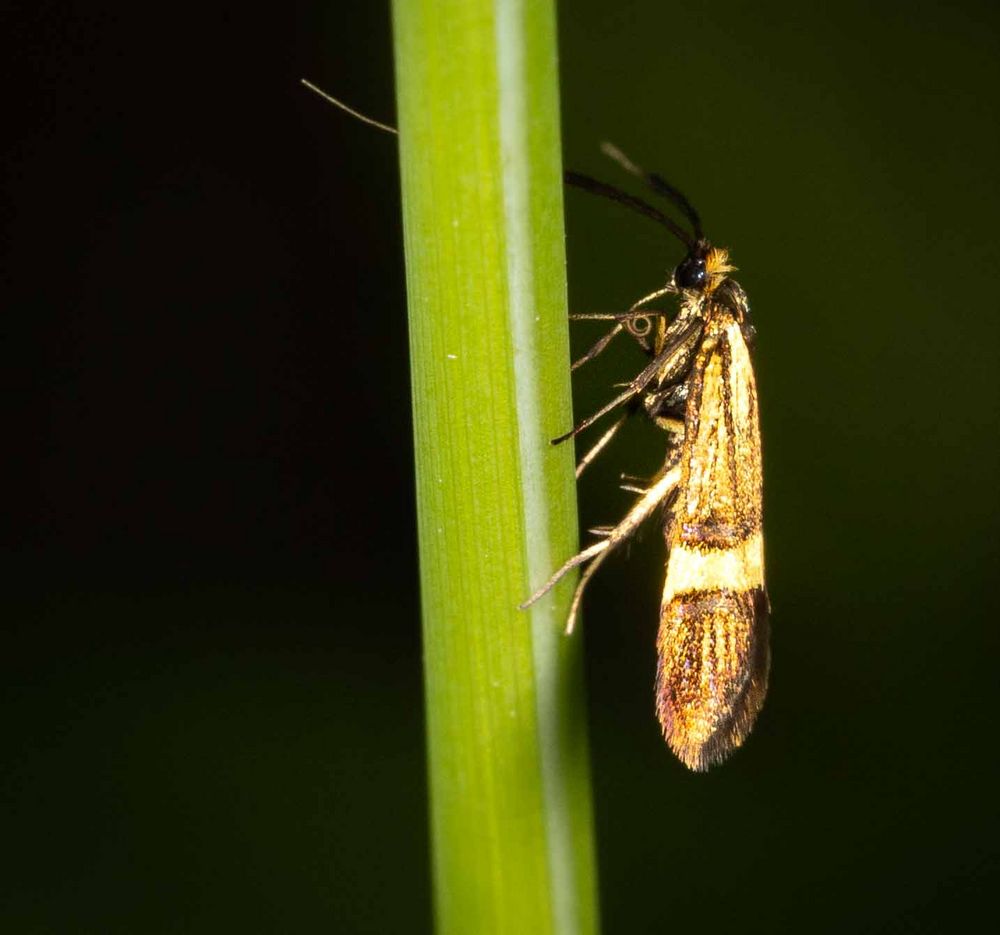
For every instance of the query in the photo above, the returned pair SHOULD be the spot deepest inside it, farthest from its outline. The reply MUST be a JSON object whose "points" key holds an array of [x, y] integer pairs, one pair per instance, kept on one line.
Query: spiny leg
{"points": [[578, 559], [630, 484], [636, 386], [600, 445], [624, 319], [646, 504], [632, 389]]}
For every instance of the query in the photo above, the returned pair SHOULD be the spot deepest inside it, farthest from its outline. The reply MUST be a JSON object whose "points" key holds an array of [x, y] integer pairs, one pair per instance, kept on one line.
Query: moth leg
{"points": [[631, 483], [625, 321], [643, 507], [637, 314], [634, 311], [651, 498], [666, 290], [601, 443], [666, 408], [631, 390], [599, 346], [671, 354], [600, 316]]}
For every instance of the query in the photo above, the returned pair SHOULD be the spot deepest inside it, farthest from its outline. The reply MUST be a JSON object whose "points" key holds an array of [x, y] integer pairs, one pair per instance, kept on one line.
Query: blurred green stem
{"points": [[482, 207]]}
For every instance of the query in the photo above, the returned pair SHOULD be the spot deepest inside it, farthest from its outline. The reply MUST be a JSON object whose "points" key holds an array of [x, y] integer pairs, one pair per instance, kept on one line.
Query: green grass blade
{"points": [[482, 204]]}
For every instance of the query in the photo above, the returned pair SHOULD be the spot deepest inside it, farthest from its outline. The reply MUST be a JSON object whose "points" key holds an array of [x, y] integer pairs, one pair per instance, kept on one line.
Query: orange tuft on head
{"points": [[716, 267], [717, 262]]}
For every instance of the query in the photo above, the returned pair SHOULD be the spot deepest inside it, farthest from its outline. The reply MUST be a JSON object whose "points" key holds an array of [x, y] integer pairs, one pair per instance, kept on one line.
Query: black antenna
{"points": [[657, 183], [636, 204], [583, 181]]}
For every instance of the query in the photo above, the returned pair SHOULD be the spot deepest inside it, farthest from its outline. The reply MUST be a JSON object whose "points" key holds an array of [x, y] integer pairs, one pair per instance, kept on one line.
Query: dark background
{"points": [[211, 674]]}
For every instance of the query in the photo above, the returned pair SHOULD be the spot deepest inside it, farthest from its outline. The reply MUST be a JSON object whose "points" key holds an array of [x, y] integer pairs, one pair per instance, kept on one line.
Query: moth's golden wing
{"points": [[713, 642]]}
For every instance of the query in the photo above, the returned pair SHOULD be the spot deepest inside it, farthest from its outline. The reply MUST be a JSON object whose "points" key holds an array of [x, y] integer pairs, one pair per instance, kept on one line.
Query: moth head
{"points": [[690, 273], [703, 269]]}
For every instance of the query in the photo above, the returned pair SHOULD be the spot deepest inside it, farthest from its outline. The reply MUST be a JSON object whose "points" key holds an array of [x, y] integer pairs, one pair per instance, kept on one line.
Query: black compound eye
{"points": [[690, 274]]}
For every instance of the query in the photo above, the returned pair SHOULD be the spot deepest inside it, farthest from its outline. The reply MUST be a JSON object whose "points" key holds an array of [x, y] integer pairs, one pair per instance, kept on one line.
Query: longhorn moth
{"points": [[713, 653]]}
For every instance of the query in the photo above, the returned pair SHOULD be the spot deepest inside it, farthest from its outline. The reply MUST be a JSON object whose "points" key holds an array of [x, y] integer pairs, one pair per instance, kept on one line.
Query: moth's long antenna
{"points": [[331, 99], [657, 183], [636, 204], [573, 178]]}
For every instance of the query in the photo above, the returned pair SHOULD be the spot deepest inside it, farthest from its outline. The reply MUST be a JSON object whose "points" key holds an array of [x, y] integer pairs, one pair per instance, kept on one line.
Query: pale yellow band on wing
{"points": [[739, 568]]}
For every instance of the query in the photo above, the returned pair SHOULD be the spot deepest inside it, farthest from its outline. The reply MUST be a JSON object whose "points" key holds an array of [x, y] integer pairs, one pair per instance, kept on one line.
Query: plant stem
{"points": [[482, 209]]}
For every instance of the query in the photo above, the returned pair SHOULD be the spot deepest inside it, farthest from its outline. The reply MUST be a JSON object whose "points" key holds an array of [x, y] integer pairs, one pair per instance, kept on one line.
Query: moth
{"points": [[713, 647]]}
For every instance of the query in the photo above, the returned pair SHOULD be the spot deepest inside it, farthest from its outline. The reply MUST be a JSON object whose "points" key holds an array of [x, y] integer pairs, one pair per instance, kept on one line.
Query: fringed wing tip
{"points": [[730, 735], [699, 753]]}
